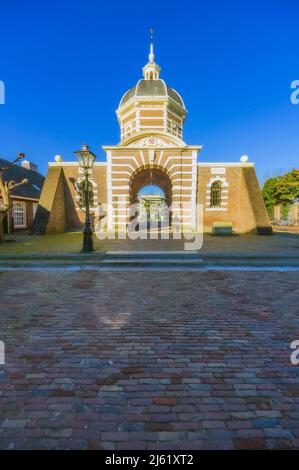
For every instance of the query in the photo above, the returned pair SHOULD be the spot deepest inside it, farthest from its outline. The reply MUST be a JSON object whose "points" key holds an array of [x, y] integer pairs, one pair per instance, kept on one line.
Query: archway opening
{"points": [[151, 191], [152, 204]]}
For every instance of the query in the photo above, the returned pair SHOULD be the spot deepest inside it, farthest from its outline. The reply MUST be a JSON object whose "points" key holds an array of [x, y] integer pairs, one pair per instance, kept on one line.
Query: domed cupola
{"points": [[151, 107]]}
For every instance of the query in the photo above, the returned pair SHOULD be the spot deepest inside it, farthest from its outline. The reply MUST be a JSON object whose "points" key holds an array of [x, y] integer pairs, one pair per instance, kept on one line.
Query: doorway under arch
{"points": [[151, 189], [152, 205]]}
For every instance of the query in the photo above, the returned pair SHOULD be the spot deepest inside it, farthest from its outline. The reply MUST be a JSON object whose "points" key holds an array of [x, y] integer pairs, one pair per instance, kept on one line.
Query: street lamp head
{"points": [[85, 157]]}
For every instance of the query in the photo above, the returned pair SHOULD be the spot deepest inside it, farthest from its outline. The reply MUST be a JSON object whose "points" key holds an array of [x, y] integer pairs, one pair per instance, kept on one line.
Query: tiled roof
{"points": [[17, 173]]}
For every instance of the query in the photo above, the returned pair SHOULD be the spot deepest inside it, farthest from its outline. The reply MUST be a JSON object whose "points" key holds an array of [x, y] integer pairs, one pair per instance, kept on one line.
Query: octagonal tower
{"points": [[150, 106]]}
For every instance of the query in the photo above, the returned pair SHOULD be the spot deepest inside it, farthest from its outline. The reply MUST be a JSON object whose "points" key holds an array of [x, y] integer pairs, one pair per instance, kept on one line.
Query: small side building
{"points": [[25, 198]]}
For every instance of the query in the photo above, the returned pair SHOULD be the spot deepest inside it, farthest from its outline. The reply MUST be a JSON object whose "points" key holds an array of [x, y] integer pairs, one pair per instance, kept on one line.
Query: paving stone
{"points": [[14, 423], [239, 424], [168, 436], [265, 422], [250, 433], [213, 424], [250, 444], [219, 445], [278, 433], [283, 444], [165, 401]]}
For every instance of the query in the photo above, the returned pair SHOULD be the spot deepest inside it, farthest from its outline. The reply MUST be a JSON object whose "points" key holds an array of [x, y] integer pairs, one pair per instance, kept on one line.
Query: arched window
{"points": [[216, 190]]}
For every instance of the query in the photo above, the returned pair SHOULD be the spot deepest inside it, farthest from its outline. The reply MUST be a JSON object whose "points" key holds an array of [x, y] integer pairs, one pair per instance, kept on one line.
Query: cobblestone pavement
{"points": [[138, 360]]}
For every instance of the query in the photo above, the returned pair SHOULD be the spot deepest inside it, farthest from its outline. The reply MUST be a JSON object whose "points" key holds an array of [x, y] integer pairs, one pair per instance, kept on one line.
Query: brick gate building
{"points": [[152, 151]]}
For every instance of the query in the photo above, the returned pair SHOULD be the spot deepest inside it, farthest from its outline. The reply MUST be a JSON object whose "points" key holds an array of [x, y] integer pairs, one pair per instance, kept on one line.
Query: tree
{"points": [[292, 180], [282, 189], [5, 191]]}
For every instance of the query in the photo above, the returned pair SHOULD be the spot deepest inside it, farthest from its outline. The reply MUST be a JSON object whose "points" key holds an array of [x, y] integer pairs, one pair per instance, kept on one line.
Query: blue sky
{"points": [[151, 189], [66, 65]]}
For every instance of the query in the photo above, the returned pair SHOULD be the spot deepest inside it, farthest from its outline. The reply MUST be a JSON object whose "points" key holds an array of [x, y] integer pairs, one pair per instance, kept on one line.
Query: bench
{"points": [[222, 228]]}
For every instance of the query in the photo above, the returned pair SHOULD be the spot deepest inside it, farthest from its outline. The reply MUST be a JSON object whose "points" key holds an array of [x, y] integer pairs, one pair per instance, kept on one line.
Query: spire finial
{"points": [[151, 70], [151, 54]]}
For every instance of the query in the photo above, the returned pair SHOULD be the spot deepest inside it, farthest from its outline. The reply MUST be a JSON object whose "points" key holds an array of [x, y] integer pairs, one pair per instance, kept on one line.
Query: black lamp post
{"points": [[86, 160]]}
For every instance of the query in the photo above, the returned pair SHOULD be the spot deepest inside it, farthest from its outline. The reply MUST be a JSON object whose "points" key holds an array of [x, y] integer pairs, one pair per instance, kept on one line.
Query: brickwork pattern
{"points": [[113, 361]]}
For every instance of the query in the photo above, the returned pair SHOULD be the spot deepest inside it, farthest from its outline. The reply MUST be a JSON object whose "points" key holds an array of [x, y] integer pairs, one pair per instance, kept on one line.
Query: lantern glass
{"points": [[89, 160], [81, 160], [86, 158]]}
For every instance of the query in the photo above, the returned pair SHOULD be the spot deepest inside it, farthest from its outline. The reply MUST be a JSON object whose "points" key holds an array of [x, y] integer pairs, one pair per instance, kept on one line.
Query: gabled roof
{"points": [[17, 173]]}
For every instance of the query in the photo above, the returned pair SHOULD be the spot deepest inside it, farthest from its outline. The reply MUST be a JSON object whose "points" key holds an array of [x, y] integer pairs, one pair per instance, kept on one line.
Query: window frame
{"points": [[16, 213], [216, 194]]}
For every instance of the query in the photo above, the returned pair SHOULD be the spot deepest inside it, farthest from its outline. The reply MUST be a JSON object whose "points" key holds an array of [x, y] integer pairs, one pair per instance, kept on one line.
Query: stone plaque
{"points": [[218, 171]]}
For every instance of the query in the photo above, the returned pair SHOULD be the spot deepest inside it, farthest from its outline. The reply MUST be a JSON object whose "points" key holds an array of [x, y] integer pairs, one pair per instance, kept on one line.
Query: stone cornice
{"points": [[74, 163], [219, 164], [124, 147]]}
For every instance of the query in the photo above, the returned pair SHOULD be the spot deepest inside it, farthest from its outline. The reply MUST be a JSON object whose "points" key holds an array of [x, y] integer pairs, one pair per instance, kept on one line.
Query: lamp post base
{"points": [[87, 240]]}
